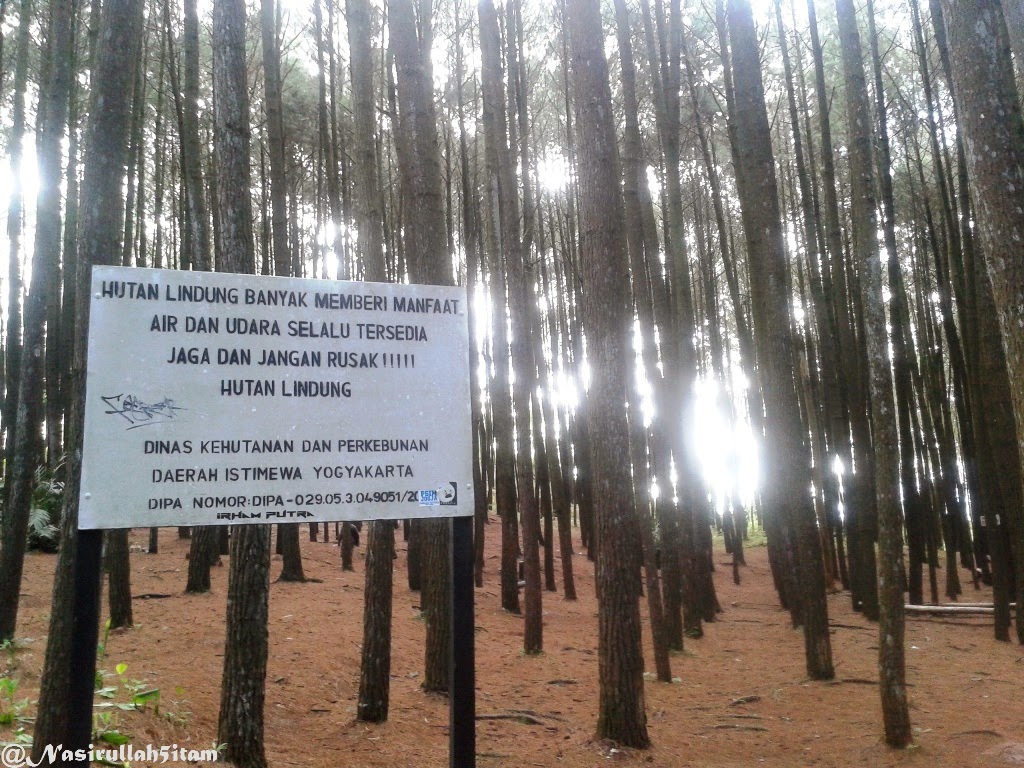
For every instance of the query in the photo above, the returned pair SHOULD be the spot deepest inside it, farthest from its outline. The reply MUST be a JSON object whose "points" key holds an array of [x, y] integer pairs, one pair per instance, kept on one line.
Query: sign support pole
{"points": [[84, 639], [462, 684]]}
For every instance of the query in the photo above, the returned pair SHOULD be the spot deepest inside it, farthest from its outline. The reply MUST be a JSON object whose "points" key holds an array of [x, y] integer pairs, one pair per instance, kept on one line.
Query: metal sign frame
{"points": [[218, 399]]}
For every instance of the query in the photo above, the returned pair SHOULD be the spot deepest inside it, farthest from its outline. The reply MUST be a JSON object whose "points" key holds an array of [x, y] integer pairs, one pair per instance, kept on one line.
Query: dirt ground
{"points": [[741, 696]]}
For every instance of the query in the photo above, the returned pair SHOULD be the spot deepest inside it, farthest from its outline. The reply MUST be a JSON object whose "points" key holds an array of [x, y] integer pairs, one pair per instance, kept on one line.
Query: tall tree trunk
{"points": [[989, 114], [500, 391], [375, 667], [634, 177], [891, 664], [790, 464], [560, 496], [287, 533], [834, 428], [118, 567], [326, 138], [275, 136], [471, 240], [15, 216], [102, 202], [203, 551], [607, 319], [675, 321], [859, 488], [949, 274], [902, 351], [429, 262], [243, 688], [501, 165], [53, 110]]}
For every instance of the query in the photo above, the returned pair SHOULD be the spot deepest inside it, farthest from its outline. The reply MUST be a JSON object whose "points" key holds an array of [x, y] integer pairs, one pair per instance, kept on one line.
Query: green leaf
{"points": [[114, 737], [146, 696], [121, 668]]}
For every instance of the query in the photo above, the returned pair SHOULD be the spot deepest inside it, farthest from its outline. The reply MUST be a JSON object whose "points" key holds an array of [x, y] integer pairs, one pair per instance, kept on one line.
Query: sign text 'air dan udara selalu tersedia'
{"points": [[223, 399]]}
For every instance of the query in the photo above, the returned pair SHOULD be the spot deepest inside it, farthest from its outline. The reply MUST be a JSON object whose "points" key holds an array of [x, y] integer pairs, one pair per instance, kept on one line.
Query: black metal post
{"points": [[85, 636], [462, 686]]}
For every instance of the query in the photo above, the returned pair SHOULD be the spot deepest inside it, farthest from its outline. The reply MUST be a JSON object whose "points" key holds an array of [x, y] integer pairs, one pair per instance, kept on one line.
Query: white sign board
{"points": [[216, 399]]}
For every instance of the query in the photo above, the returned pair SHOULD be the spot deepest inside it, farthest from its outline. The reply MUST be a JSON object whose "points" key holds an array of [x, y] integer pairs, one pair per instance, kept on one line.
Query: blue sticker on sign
{"points": [[428, 498]]}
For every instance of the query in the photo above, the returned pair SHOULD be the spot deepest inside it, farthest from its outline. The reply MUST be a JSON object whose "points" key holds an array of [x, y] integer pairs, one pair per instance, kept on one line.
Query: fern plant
{"points": [[47, 500]]}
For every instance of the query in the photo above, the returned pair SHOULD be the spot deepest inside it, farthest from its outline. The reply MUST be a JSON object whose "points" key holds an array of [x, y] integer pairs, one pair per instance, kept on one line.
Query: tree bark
{"points": [[291, 554], [375, 665], [607, 320], [502, 170], [989, 114], [202, 553], [118, 566], [634, 177], [891, 664], [25, 446], [429, 262], [243, 687], [789, 465], [202, 549], [102, 201], [859, 488], [15, 220]]}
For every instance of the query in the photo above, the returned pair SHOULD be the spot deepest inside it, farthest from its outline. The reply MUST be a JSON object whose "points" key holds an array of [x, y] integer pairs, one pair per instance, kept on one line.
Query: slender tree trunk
{"points": [[607, 319], [326, 137], [834, 429], [375, 669], [790, 465], [506, 491], [291, 554], [891, 664], [26, 449], [118, 567], [561, 500], [634, 176], [15, 216], [203, 551], [243, 688], [989, 112], [430, 263], [859, 488], [471, 239], [287, 533], [102, 202], [501, 164]]}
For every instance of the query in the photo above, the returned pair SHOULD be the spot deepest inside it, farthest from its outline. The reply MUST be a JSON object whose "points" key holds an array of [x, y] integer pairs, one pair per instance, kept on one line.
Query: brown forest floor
{"points": [[966, 690]]}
